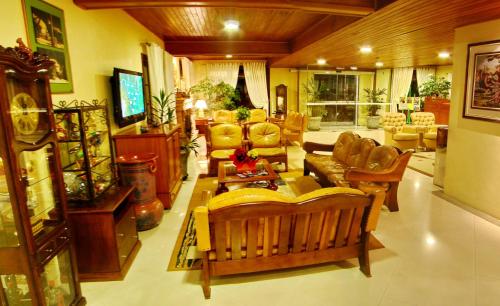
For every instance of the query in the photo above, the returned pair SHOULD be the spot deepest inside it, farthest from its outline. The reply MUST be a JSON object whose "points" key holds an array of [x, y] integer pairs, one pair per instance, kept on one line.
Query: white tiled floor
{"points": [[436, 254]]}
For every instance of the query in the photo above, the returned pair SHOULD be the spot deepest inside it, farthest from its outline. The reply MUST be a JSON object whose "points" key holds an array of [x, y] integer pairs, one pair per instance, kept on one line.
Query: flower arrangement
{"points": [[244, 160]]}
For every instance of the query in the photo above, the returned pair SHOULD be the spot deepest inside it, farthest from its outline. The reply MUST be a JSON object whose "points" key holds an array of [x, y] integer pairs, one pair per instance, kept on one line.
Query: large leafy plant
{"points": [[220, 95], [374, 96], [242, 113], [435, 87]]}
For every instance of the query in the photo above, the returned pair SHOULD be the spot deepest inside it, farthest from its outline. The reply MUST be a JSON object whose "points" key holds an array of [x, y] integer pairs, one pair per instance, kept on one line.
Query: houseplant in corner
{"points": [[242, 114], [436, 91], [163, 108], [186, 148], [374, 96], [314, 92]]}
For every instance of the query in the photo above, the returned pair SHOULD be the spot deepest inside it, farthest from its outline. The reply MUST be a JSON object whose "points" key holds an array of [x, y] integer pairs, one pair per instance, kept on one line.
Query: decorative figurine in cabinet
{"points": [[37, 265], [85, 148]]}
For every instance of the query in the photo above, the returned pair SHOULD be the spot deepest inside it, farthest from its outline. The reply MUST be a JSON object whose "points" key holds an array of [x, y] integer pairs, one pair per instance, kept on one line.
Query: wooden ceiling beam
{"points": [[221, 48], [307, 6]]}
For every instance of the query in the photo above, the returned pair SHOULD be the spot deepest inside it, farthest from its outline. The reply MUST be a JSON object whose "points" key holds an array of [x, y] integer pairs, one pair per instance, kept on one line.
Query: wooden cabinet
{"points": [[37, 263], [165, 144], [107, 236], [440, 108]]}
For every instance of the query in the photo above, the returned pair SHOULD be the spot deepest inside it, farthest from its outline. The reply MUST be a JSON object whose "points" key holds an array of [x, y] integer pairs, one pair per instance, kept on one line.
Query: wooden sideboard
{"points": [[440, 108], [166, 144], [105, 235]]}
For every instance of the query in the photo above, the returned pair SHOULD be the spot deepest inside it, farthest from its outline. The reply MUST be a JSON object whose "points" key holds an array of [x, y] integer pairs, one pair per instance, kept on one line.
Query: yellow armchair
{"points": [[257, 115], [425, 122], [224, 116], [294, 126], [397, 133], [222, 140], [265, 138]]}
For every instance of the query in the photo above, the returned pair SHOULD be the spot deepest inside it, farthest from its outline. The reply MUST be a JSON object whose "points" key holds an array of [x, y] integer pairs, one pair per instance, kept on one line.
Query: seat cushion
{"points": [[226, 136], [381, 158], [430, 136], [405, 136], [325, 162], [270, 151], [221, 154], [264, 135]]}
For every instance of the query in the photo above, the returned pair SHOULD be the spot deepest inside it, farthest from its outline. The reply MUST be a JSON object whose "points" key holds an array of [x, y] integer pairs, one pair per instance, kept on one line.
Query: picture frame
{"points": [[482, 84], [46, 29]]}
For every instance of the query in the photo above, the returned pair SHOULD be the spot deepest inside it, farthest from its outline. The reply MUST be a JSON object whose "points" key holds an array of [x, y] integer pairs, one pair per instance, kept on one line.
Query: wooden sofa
{"points": [[251, 230], [355, 159]]}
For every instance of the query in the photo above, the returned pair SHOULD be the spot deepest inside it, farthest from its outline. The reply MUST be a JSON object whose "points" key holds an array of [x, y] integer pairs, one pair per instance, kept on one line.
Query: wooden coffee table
{"points": [[228, 175]]}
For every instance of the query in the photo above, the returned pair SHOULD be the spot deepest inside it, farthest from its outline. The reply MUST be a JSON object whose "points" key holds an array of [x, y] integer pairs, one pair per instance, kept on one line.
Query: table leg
{"points": [[221, 189], [272, 185]]}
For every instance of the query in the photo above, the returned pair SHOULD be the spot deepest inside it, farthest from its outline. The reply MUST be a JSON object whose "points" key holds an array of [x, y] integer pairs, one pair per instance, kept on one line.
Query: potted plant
{"points": [[186, 148], [374, 96], [219, 96], [163, 108], [242, 113], [314, 92], [435, 87]]}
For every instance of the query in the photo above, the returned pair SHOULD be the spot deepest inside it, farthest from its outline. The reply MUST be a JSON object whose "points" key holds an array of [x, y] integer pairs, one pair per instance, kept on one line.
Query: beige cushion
{"points": [[270, 151], [221, 154], [226, 136]]}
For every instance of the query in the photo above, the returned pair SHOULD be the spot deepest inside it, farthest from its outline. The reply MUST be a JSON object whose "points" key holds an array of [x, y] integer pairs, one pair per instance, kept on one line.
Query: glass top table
{"points": [[227, 174]]}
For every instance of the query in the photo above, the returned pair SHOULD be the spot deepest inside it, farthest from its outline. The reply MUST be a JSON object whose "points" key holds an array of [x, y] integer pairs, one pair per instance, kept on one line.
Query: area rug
{"points": [[423, 162], [185, 255]]}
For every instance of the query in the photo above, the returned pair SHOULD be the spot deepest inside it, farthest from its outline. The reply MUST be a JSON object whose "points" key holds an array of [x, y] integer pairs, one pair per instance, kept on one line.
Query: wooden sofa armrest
{"points": [[201, 222], [378, 193], [310, 147], [392, 174]]}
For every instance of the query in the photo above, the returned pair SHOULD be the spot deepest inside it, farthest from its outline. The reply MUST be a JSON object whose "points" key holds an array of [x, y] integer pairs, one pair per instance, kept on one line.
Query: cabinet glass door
{"points": [[28, 107], [8, 233], [44, 209], [57, 281], [16, 290]]}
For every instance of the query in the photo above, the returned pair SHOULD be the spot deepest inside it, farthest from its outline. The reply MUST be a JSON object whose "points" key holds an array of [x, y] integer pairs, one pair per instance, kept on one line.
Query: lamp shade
{"points": [[200, 104]]}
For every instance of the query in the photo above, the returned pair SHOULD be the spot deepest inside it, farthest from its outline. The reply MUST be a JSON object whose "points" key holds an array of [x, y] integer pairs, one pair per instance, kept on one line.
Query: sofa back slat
{"points": [[355, 227], [343, 227], [235, 239], [269, 227], [253, 225], [314, 227], [300, 225], [220, 240], [284, 236]]}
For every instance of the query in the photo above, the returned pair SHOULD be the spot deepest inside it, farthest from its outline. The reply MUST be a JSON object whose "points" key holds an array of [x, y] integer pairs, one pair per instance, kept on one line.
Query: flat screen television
{"points": [[128, 97]]}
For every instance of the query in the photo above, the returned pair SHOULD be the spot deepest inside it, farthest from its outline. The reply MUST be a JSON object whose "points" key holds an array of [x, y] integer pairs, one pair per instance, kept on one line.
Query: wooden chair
{"points": [[222, 140], [251, 230], [294, 126]]}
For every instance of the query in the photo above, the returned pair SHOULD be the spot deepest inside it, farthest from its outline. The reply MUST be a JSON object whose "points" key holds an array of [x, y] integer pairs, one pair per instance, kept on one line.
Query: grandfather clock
{"points": [[281, 99], [37, 263]]}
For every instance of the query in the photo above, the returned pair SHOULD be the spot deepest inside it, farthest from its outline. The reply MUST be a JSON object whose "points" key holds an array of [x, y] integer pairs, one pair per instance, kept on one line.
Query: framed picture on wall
{"points": [[482, 88], [47, 35]]}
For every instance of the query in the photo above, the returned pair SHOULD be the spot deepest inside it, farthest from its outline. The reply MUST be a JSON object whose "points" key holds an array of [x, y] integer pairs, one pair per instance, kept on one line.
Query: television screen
{"points": [[131, 94], [128, 96]]}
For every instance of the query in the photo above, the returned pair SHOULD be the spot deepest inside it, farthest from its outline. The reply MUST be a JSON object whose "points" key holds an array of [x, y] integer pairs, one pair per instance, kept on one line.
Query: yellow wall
{"points": [[472, 174], [445, 72], [98, 40], [284, 76], [383, 80]]}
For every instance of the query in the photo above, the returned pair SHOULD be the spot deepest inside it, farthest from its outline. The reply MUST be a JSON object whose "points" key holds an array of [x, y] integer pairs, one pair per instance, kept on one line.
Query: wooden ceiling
{"points": [[297, 33]]}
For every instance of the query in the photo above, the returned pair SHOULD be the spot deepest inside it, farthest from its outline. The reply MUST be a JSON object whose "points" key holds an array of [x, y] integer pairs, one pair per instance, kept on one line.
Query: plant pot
{"points": [[372, 122], [314, 123], [184, 160]]}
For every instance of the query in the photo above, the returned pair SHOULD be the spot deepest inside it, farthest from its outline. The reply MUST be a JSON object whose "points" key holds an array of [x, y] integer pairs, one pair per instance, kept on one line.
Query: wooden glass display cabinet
{"points": [[85, 149], [37, 266]]}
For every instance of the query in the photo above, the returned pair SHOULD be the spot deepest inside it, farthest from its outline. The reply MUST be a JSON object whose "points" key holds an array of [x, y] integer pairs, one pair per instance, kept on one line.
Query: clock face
{"points": [[24, 113]]}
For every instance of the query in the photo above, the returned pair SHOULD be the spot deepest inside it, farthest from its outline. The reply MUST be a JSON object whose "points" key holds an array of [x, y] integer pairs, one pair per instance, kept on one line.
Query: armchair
{"points": [[265, 138], [222, 140], [425, 121], [397, 133], [224, 116], [252, 230], [257, 115], [294, 127]]}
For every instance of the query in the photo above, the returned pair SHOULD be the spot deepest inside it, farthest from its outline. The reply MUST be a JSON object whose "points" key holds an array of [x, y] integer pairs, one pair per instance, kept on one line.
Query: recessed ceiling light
{"points": [[379, 64], [354, 68], [444, 54], [229, 56], [321, 61], [231, 25], [366, 49], [339, 68]]}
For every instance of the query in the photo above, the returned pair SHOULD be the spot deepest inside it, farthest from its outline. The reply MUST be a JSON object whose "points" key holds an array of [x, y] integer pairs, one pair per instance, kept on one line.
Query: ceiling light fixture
{"points": [[321, 61], [354, 68], [379, 64], [229, 56], [339, 68], [444, 54], [366, 49], [231, 25]]}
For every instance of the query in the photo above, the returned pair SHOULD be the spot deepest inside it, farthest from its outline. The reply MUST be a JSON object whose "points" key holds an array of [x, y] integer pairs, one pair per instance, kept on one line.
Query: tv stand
{"points": [[163, 142]]}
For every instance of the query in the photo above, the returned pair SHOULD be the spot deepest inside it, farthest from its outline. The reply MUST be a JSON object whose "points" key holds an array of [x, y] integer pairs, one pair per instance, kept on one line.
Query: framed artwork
{"points": [[482, 88], [47, 35]]}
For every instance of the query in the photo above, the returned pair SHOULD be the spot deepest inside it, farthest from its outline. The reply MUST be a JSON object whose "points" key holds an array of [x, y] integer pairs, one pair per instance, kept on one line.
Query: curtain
{"points": [[188, 73], [222, 71], [401, 81], [168, 62], [156, 70], [424, 73], [255, 78]]}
